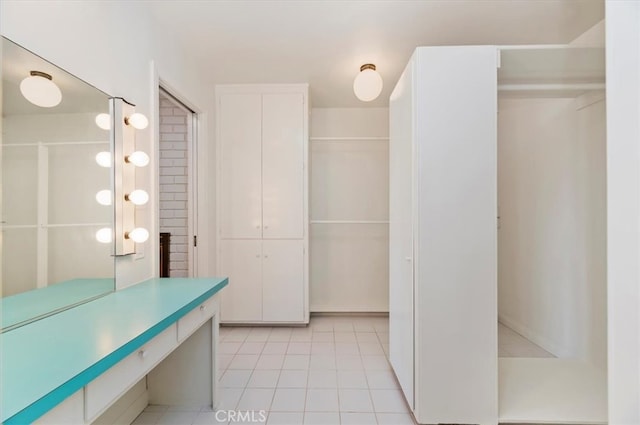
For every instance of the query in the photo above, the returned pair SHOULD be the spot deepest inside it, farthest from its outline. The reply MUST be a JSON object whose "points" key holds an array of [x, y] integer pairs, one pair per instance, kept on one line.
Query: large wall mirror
{"points": [[49, 208]]}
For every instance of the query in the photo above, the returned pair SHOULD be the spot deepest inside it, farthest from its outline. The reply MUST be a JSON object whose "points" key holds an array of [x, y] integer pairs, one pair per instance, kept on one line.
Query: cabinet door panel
{"points": [[283, 162], [241, 261], [283, 280], [240, 166]]}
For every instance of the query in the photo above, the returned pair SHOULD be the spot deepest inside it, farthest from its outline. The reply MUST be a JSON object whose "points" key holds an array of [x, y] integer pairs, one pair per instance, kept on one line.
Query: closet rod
{"points": [[349, 221], [349, 139], [550, 87], [12, 145]]}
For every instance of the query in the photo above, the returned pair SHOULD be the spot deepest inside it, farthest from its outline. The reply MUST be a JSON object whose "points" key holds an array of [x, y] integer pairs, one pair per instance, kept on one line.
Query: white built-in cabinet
{"points": [[262, 150]]}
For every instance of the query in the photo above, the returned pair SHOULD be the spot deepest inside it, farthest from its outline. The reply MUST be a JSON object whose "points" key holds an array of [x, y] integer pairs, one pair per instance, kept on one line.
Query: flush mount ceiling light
{"points": [[40, 90], [368, 83]]}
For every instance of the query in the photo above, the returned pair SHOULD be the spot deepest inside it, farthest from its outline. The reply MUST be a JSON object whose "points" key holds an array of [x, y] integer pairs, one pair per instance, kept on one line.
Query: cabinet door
{"points": [[240, 166], [241, 261], [282, 166], [283, 280]]}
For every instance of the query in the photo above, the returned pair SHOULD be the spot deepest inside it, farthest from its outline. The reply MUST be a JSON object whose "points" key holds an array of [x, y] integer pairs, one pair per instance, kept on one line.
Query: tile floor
{"points": [[335, 371]]}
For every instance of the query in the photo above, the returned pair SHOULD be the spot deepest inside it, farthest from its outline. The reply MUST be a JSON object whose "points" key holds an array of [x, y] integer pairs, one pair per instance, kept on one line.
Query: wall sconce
{"points": [[368, 83], [126, 159], [40, 90]]}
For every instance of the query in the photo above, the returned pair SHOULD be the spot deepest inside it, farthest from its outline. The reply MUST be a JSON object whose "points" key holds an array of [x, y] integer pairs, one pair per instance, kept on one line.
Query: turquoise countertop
{"points": [[38, 303], [44, 362]]}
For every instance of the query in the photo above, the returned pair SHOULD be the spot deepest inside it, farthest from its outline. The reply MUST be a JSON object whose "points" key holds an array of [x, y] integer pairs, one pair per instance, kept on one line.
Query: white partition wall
{"points": [[443, 257]]}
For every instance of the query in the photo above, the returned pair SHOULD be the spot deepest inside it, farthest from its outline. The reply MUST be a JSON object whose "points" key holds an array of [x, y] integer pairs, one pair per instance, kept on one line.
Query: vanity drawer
{"points": [[196, 317], [105, 389]]}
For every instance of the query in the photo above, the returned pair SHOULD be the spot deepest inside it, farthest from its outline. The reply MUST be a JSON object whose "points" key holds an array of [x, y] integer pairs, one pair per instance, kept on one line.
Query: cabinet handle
{"points": [[266, 256], [257, 255], [408, 259], [266, 227], [202, 307], [258, 226], [142, 354]]}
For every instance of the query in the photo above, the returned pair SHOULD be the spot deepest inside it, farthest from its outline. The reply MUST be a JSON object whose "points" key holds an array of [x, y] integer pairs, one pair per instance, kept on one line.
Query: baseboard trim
{"points": [[349, 314]]}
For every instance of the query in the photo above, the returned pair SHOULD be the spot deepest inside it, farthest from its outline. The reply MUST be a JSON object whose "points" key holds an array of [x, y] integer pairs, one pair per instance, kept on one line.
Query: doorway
{"points": [[177, 187]]}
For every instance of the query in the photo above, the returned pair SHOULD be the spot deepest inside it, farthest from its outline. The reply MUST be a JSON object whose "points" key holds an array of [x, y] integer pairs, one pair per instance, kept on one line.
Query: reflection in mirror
{"points": [[49, 179]]}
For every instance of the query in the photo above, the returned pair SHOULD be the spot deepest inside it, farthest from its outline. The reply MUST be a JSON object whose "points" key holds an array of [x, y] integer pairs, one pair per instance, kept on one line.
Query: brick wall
{"points": [[174, 186]]}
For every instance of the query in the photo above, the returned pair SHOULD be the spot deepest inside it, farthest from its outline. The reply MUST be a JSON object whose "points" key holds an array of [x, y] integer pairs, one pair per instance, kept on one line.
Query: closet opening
{"points": [[177, 187], [552, 293]]}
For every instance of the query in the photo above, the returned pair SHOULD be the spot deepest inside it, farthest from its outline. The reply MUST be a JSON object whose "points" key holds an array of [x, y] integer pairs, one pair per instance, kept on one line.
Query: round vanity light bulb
{"points": [[138, 121], [40, 90], [103, 121], [104, 197], [368, 83], [104, 159], [138, 158], [138, 235], [138, 197], [104, 235]]}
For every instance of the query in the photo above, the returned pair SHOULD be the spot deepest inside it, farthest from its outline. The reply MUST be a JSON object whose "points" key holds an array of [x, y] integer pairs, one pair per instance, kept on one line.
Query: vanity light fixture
{"points": [[137, 120], [368, 83], [137, 158], [104, 159], [125, 160], [104, 235], [104, 197], [103, 121], [138, 235], [137, 197], [39, 89]]}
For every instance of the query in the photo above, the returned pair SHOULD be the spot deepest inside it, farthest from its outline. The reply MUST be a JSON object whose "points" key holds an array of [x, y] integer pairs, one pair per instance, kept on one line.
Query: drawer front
{"points": [[105, 389], [196, 317]]}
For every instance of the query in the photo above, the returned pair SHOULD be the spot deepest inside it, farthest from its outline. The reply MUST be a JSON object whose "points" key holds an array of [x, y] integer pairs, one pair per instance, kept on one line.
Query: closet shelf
{"points": [[553, 70], [22, 145], [51, 226]]}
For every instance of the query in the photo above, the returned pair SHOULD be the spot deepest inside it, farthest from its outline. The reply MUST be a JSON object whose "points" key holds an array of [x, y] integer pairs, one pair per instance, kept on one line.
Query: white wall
{"points": [[112, 45], [349, 161], [623, 209], [551, 198]]}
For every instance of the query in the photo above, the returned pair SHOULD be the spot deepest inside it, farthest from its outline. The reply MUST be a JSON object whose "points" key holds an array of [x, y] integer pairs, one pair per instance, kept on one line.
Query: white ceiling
{"points": [[325, 42]]}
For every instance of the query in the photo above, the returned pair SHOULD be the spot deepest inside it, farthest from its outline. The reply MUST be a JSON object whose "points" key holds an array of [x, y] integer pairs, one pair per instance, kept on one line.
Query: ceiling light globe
{"points": [[103, 121], [41, 91], [138, 121], [138, 197], [138, 235], [104, 197], [368, 84], [104, 235], [104, 159], [139, 159]]}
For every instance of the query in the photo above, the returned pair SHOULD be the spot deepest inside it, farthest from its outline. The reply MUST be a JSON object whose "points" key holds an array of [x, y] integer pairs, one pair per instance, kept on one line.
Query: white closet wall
{"points": [[349, 160], [552, 207]]}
